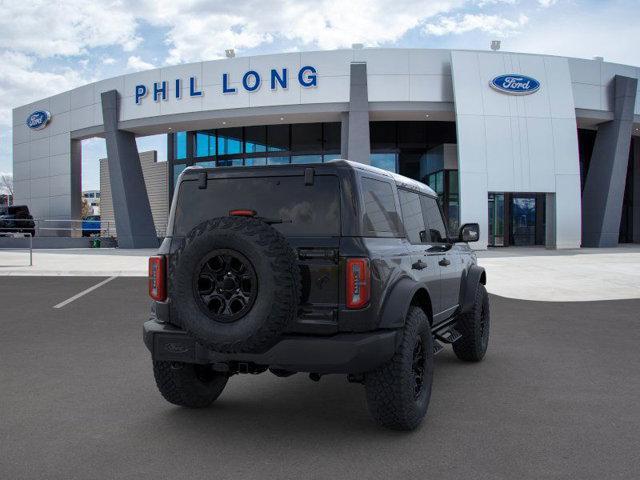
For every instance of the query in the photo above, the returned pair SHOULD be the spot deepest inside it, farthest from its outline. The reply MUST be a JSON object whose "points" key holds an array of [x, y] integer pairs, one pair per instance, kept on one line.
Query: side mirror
{"points": [[469, 232]]}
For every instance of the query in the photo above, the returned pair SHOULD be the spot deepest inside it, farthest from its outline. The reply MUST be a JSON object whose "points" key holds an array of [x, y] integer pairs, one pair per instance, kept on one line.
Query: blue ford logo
{"points": [[38, 119], [515, 84]]}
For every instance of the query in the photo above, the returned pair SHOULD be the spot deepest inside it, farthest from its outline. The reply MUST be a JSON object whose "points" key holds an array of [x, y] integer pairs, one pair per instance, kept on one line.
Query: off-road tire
{"points": [[474, 327], [188, 385], [278, 283], [390, 388]]}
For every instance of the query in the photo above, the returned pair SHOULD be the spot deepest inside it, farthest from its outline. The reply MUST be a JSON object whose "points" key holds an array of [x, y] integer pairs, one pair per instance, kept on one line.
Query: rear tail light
{"points": [[157, 278], [358, 285], [242, 213]]}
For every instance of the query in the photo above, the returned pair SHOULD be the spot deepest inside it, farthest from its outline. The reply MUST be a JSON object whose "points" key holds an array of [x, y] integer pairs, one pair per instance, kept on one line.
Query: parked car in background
{"points": [[17, 219], [91, 225]]}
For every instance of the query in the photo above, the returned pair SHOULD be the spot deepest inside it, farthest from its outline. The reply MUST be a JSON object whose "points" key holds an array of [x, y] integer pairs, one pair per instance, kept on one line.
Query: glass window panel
{"points": [[229, 141], [252, 162], [306, 210], [232, 162], [412, 134], [255, 139], [386, 161], [453, 182], [306, 159], [210, 164], [433, 220], [332, 156], [332, 131], [177, 170], [383, 135], [306, 137], [380, 215], [277, 160], [278, 138], [412, 216], [180, 145], [205, 144]]}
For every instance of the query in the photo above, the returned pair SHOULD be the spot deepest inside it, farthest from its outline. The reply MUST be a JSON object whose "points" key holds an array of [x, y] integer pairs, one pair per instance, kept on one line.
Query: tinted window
{"points": [[306, 137], [306, 210], [380, 214], [433, 220], [412, 216], [229, 141]]}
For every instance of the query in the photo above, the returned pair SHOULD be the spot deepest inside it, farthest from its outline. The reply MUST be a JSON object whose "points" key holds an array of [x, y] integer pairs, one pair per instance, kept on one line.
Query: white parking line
{"points": [[83, 293]]}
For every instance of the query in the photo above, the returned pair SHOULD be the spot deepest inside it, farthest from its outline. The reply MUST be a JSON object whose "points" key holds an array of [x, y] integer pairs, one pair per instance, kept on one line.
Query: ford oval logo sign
{"points": [[38, 119], [515, 84]]}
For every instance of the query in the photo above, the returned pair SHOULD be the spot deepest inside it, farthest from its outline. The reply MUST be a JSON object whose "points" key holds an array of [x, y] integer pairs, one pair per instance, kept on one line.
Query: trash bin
{"points": [[95, 243]]}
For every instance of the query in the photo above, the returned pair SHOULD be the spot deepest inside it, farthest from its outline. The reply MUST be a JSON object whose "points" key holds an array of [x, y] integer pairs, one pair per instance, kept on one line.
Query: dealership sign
{"points": [[250, 81], [38, 119], [515, 84]]}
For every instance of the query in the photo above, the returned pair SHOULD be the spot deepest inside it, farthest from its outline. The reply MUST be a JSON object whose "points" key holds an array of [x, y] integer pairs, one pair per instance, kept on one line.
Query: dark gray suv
{"points": [[325, 268]]}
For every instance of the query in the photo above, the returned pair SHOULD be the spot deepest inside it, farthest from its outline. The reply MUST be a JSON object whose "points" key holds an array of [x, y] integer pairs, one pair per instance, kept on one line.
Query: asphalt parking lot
{"points": [[558, 396]]}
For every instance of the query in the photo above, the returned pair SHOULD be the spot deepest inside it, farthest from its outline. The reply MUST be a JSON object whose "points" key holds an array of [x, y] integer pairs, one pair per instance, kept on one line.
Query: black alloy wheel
{"points": [[225, 285]]}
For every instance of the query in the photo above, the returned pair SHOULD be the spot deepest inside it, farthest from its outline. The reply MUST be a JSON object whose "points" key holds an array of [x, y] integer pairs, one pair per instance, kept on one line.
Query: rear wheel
{"points": [[188, 385], [398, 392], [474, 327]]}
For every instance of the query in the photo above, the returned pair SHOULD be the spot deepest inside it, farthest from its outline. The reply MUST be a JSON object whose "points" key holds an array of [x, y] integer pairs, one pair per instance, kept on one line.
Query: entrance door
{"points": [[523, 220]]}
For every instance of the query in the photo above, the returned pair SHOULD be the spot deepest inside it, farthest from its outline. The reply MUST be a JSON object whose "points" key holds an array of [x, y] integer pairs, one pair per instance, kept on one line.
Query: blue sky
{"points": [[52, 47]]}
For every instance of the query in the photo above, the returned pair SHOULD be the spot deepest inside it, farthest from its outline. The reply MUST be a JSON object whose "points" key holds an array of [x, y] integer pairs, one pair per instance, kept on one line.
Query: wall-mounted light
{"points": [[230, 53], [281, 118]]}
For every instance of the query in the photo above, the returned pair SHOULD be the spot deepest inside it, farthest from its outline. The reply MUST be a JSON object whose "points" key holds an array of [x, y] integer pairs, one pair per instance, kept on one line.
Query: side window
{"points": [[380, 214], [412, 216], [433, 219]]}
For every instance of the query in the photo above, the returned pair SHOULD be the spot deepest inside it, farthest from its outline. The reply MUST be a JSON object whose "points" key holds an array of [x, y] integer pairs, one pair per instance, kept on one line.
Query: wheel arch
{"points": [[404, 294], [475, 275]]}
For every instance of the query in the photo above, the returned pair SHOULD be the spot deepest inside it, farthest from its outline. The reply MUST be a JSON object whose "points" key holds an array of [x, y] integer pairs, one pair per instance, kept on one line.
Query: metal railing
{"points": [[46, 227], [43, 227], [21, 235]]}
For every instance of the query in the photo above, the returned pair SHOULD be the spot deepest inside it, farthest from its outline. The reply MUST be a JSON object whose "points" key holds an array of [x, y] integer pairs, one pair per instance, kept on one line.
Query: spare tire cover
{"points": [[235, 284]]}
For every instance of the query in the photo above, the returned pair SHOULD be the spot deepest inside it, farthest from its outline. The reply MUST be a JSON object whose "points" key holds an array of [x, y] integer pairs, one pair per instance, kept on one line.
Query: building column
{"points": [[355, 144], [636, 190], [604, 187], [131, 208]]}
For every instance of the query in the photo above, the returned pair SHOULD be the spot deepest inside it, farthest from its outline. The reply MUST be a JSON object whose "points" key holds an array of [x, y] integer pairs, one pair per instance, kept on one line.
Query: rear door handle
{"points": [[444, 262], [419, 265]]}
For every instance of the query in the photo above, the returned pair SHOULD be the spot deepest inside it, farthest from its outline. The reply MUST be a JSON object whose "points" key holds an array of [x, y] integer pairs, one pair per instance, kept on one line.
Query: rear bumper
{"points": [[342, 353]]}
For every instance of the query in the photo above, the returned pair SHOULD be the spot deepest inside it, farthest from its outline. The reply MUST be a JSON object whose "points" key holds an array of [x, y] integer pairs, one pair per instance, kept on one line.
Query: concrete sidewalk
{"points": [[522, 273], [85, 262], [585, 274]]}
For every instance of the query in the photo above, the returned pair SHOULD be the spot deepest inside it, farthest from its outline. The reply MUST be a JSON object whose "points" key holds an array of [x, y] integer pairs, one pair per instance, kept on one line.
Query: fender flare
{"points": [[474, 276], [397, 302]]}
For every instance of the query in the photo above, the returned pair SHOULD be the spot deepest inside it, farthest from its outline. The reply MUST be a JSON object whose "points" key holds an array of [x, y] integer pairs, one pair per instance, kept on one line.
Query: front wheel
{"points": [[187, 384], [398, 392]]}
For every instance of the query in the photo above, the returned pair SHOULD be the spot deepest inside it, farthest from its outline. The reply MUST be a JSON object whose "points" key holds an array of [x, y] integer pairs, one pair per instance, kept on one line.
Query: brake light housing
{"points": [[242, 212], [158, 278], [358, 283]]}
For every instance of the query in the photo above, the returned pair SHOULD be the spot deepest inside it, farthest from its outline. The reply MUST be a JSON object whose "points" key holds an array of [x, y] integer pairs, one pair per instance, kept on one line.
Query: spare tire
{"points": [[235, 284]]}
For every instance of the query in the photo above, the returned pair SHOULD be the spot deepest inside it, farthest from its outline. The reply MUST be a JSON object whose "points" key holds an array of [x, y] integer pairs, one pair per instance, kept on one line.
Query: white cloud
{"points": [[108, 61], [491, 24], [547, 3], [325, 24], [136, 63], [21, 83], [46, 28]]}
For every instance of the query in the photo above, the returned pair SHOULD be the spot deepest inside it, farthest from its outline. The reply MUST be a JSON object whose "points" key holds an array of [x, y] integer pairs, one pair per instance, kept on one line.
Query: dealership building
{"points": [[538, 149]]}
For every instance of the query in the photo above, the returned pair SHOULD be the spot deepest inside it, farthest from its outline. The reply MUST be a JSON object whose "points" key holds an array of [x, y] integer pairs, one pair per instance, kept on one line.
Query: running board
{"points": [[437, 347], [448, 336]]}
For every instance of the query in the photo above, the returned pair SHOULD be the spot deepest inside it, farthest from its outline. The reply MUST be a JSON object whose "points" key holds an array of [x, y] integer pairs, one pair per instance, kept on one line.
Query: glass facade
{"points": [[255, 145], [400, 147]]}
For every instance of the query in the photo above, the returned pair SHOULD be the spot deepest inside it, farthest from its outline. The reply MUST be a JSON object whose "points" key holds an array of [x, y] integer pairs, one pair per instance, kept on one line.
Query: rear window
{"points": [[380, 214], [306, 210]]}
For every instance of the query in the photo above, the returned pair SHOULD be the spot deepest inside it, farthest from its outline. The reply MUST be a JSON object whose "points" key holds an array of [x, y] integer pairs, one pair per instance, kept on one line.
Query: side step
{"points": [[437, 347], [448, 336]]}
